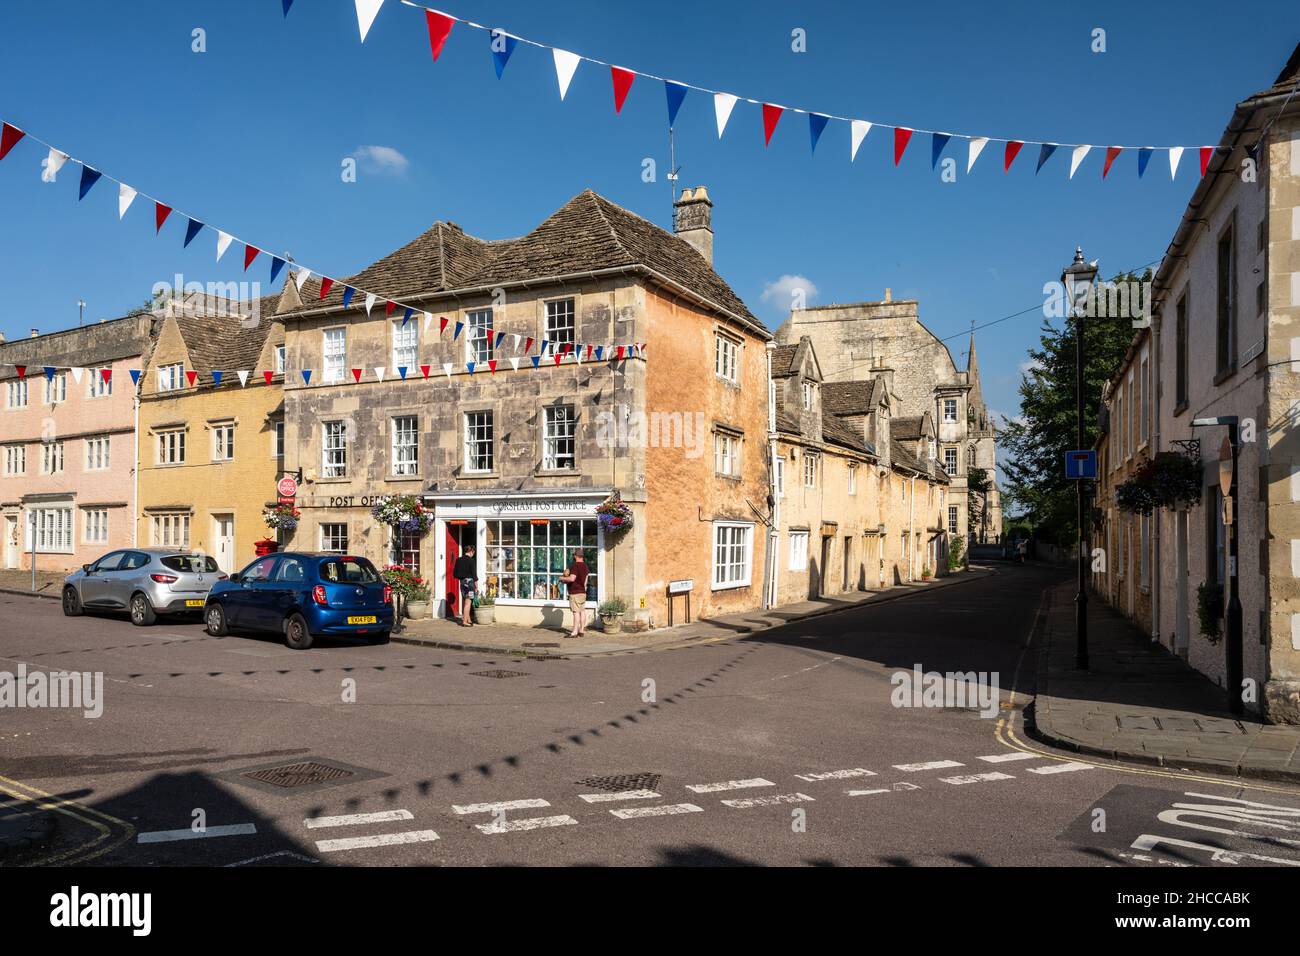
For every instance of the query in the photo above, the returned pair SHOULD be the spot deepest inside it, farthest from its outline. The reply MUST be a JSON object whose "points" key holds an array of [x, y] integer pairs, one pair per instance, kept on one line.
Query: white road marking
{"points": [[729, 785], [355, 819], [1060, 767], [501, 806], [976, 778], [932, 765], [532, 823], [631, 813], [866, 793], [171, 836], [379, 839], [835, 775], [768, 801], [1007, 757], [621, 795], [272, 856]]}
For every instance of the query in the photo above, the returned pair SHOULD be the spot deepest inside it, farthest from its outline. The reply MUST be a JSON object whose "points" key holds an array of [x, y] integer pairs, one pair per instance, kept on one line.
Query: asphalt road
{"points": [[778, 748]]}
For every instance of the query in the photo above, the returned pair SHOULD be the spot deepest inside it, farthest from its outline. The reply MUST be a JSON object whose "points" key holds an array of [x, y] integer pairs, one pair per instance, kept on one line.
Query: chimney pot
{"points": [[35, 333], [888, 294], [693, 220]]}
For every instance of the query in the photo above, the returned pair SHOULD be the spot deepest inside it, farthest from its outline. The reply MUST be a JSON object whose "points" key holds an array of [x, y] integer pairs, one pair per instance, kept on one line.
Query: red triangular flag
{"points": [[492, 364], [389, 306], [559, 357], [425, 370], [160, 214], [620, 353], [22, 370], [1206, 153], [356, 375], [9, 137], [267, 376], [439, 27], [589, 353], [1009, 155], [325, 286], [250, 253], [191, 375], [622, 83], [442, 325], [568, 347], [106, 374], [1111, 153], [528, 346], [901, 137], [771, 114]]}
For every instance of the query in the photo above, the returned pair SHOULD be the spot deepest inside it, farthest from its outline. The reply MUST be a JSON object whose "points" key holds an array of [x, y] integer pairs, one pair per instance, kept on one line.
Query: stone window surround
{"points": [[542, 301], [156, 433], [461, 470], [574, 402], [394, 327], [722, 333], [738, 438], [393, 415]]}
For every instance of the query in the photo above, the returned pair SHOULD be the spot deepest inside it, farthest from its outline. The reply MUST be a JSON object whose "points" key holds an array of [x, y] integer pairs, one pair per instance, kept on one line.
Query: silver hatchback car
{"points": [[145, 581]]}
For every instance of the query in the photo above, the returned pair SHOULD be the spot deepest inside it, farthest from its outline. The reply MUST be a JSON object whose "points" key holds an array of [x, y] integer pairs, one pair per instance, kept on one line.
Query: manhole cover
{"points": [[498, 674], [624, 781], [299, 774]]}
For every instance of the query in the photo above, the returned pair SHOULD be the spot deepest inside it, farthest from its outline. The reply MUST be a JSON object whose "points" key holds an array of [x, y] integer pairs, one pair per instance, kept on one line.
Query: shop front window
{"points": [[525, 557]]}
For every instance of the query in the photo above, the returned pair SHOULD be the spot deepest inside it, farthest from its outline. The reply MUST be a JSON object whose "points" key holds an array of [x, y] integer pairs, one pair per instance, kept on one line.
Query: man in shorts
{"points": [[576, 578]]}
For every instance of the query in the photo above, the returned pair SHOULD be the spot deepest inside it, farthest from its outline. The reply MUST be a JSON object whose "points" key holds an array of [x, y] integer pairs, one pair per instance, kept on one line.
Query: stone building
{"points": [[211, 451], [887, 340], [516, 459], [67, 441], [1223, 340]]}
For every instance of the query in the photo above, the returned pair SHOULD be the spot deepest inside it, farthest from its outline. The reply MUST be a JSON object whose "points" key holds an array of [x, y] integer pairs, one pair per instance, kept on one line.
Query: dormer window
{"points": [[808, 396], [950, 409]]}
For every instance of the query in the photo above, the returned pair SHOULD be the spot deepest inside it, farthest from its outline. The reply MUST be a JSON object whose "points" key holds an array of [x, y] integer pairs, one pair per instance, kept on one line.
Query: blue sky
{"points": [[250, 136]]}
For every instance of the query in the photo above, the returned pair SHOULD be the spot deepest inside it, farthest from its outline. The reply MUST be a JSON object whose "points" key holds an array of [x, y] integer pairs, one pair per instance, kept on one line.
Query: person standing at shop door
{"points": [[576, 578], [465, 571]]}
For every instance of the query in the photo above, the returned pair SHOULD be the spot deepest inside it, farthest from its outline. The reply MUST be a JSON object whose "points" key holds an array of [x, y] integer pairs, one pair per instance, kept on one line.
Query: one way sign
{"points": [[1081, 464]]}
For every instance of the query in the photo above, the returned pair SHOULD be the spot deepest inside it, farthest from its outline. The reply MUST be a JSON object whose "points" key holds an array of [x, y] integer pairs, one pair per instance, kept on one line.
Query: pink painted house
{"points": [[67, 443]]}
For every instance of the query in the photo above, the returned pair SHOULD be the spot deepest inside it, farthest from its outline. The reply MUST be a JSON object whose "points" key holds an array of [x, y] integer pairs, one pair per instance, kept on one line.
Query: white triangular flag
{"points": [[514, 361], [243, 378], [446, 367], [723, 103], [125, 196], [428, 317], [1175, 154], [367, 10], [223, 243], [379, 372], [565, 65], [516, 338], [53, 163], [371, 298], [300, 277], [977, 145], [1077, 157], [76, 374], [858, 130]]}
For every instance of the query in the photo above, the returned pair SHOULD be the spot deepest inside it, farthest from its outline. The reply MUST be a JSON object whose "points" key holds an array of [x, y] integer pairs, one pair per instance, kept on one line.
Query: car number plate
{"points": [[363, 620], [194, 603]]}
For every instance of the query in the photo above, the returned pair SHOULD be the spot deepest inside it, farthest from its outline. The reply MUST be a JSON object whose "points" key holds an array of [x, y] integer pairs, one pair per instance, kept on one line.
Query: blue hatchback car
{"points": [[303, 597]]}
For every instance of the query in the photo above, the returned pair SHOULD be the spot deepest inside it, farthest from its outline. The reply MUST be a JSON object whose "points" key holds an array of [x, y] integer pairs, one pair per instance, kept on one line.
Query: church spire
{"points": [[972, 366]]}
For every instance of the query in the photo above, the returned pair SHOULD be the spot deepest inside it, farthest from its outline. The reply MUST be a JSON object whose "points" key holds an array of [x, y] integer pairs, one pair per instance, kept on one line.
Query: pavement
{"points": [[540, 641], [49, 584], [1138, 702]]}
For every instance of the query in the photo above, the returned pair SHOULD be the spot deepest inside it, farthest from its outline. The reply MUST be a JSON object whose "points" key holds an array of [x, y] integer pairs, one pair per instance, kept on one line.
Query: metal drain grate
{"points": [[298, 774], [624, 781], [498, 674]]}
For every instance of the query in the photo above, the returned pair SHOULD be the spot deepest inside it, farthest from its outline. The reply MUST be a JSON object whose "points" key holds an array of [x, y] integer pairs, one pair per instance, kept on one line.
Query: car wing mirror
{"points": [[235, 579], [88, 569]]}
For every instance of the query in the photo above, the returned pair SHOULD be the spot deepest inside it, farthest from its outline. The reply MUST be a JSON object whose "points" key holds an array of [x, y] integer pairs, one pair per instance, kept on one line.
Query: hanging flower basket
{"points": [[1166, 481], [282, 517], [613, 515], [403, 513]]}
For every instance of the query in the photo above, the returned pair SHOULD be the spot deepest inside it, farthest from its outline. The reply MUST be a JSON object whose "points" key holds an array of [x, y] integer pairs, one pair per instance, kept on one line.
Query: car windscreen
{"points": [[190, 563], [348, 571]]}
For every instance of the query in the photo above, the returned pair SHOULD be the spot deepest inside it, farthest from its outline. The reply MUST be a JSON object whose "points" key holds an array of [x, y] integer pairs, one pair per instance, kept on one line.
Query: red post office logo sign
{"points": [[287, 486]]}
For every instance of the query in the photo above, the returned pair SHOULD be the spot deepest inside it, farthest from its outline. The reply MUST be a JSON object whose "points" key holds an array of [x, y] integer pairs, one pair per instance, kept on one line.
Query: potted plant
{"points": [[611, 615], [613, 515], [282, 517], [1169, 480], [413, 589], [403, 513], [926, 573], [485, 609]]}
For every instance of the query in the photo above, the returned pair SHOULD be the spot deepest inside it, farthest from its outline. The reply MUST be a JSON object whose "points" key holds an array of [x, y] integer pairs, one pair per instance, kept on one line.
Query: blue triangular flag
{"points": [[135, 376], [216, 376], [1044, 154], [88, 178], [500, 336], [276, 265], [192, 230], [348, 293], [676, 93], [49, 372], [600, 352], [456, 334], [937, 142], [306, 376], [545, 346], [536, 359], [1144, 157], [503, 44], [401, 370], [406, 317], [470, 366], [287, 4], [816, 123]]}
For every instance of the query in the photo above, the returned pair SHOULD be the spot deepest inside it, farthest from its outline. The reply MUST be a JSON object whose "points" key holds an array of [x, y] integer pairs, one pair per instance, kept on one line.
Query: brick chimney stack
{"points": [[693, 220]]}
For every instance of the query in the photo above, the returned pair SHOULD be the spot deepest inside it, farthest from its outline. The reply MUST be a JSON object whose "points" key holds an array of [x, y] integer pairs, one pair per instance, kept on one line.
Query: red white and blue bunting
{"points": [[502, 45]]}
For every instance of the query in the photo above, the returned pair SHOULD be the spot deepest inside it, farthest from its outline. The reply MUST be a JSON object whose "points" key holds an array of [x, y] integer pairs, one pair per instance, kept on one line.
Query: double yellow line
{"points": [[110, 831]]}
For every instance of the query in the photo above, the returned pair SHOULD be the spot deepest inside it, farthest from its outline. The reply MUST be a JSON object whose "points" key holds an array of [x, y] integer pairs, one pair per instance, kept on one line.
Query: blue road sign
{"points": [[1081, 464]]}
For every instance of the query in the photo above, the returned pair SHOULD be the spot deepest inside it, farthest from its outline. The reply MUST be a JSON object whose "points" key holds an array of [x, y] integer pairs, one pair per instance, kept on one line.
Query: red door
{"points": [[458, 535]]}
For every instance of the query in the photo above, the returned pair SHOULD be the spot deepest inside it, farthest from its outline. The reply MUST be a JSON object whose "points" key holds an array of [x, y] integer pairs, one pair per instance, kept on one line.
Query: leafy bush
{"points": [[1209, 609], [955, 550], [615, 605], [406, 582], [1166, 481]]}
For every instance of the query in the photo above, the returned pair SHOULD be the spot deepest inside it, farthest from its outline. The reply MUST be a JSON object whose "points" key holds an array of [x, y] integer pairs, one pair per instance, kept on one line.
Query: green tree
{"points": [[1037, 440], [977, 483]]}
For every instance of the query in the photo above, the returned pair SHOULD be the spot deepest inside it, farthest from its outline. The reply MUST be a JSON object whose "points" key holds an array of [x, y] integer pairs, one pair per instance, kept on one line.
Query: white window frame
{"points": [[950, 403], [99, 453], [329, 537], [559, 426], [726, 358], [406, 344], [334, 353], [779, 471], [277, 438], [170, 529], [853, 479], [52, 458], [94, 526], [170, 446], [482, 420], [950, 466], [798, 550], [171, 377], [15, 460], [56, 388], [404, 445], [17, 393], [334, 442], [809, 392], [739, 534], [726, 454], [279, 359], [53, 528], [99, 388], [810, 470], [954, 517], [223, 441], [479, 346], [561, 325]]}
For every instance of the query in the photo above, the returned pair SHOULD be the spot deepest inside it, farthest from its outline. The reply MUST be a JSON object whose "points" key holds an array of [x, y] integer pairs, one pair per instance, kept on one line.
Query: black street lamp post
{"points": [[1232, 604], [1077, 279]]}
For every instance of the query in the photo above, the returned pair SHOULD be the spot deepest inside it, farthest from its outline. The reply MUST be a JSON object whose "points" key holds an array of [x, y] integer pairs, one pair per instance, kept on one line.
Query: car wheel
{"points": [[71, 602], [380, 638], [215, 620], [142, 613], [296, 634]]}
